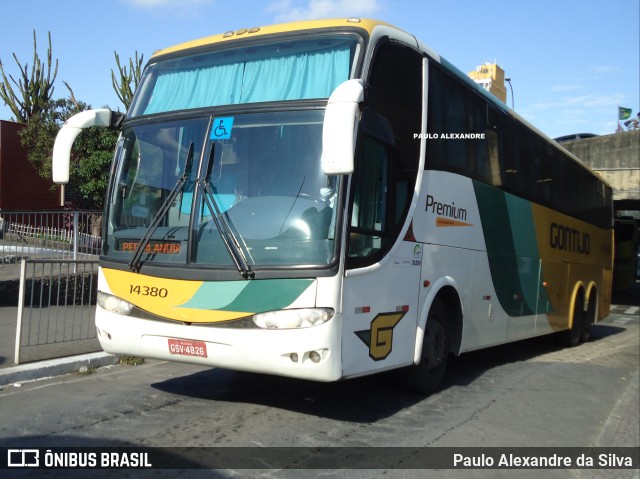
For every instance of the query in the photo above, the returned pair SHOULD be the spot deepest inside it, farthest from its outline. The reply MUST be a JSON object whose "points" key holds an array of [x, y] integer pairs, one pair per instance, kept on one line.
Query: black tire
{"points": [[574, 335], [426, 377], [589, 318]]}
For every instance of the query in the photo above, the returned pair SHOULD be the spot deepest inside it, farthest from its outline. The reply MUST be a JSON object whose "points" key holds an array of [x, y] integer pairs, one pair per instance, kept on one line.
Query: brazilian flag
{"points": [[624, 113]]}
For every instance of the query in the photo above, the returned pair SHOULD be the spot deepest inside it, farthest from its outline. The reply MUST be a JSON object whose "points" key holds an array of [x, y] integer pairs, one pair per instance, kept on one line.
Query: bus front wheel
{"points": [[426, 376]]}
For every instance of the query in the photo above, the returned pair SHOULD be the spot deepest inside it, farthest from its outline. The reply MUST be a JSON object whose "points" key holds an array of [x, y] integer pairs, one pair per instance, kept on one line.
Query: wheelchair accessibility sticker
{"points": [[222, 128]]}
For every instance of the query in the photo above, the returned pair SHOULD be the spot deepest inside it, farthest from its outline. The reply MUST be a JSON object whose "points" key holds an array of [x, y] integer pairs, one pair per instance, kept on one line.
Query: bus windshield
{"points": [[299, 69], [211, 190]]}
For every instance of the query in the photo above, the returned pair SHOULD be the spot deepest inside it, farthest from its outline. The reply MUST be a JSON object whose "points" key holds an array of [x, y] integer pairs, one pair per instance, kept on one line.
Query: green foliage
{"points": [[32, 103], [94, 147], [123, 86], [40, 132], [131, 360], [90, 157], [35, 88]]}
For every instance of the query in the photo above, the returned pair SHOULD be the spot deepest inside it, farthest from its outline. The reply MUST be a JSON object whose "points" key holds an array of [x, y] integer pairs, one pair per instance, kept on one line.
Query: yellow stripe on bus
{"points": [[164, 297]]}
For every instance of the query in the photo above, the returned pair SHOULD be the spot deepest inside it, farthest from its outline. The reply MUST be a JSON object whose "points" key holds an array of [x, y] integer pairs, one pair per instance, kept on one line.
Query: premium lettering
{"points": [[445, 209]]}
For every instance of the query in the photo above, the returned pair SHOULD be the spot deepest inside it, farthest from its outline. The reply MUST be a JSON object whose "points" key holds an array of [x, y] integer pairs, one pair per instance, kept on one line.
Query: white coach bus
{"points": [[331, 199]]}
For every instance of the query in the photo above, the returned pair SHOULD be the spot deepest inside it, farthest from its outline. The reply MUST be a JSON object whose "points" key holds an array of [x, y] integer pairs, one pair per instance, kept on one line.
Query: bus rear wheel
{"points": [[574, 335], [590, 317], [426, 376]]}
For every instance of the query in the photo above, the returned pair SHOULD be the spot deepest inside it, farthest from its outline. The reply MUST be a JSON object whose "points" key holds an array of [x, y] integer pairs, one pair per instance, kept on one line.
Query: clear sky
{"points": [[572, 62]]}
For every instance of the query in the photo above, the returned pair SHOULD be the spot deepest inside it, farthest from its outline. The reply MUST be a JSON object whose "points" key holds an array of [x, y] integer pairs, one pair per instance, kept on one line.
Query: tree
{"points": [[122, 86], [38, 136], [34, 105], [94, 147], [90, 157], [35, 88]]}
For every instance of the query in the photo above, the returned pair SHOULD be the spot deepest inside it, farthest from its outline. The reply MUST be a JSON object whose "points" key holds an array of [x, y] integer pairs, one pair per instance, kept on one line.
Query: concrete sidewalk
{"points": [[55, 367], [69, 362]]}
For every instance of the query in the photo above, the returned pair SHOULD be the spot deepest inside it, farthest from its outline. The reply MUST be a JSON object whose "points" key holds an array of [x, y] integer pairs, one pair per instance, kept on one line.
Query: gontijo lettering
{"points": [[569, 239]]}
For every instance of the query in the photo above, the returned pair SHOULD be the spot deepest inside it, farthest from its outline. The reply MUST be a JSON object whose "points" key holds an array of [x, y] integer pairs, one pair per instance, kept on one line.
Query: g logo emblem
{"points": [[380, 337]]}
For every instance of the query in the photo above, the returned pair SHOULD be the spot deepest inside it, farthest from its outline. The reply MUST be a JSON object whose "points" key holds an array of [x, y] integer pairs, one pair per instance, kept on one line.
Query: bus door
{"points": [[381, 285]]}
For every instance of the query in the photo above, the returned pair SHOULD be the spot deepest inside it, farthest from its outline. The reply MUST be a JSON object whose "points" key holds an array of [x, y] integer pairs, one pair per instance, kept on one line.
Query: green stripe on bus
{"points": [[509, 234], [526, 249], [250, 296]]}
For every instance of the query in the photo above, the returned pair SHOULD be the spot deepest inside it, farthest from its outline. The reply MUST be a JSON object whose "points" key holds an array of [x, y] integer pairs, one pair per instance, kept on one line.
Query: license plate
{"points": [[187, 347]]}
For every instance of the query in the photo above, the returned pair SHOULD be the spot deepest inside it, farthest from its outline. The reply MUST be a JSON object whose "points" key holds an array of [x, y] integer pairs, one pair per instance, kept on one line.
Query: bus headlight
{"points": [[114, 304], [293, 318]]}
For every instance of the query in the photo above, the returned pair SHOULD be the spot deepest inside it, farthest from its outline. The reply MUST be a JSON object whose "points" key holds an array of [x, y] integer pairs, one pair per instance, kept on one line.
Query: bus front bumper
{"points": [[307, 353]]}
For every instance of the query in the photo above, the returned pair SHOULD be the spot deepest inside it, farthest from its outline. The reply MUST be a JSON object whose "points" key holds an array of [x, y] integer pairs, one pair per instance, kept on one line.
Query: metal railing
{"points": [[48, 234], [48, 259], [56, 309]]}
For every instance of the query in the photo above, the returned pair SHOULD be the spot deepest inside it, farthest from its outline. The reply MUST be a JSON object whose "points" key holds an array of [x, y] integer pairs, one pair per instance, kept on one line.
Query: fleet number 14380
{"points": [[143, 290]]}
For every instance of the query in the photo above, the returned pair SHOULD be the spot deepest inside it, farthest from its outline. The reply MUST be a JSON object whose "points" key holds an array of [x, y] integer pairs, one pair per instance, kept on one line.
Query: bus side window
{"points": [[493, 142], [386, 168], [493, 163], [369, 223]]}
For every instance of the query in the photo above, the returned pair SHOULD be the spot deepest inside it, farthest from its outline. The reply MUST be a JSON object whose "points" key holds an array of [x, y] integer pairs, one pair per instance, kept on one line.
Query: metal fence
{"points": [[48, 268], [48, 234], [56, 309]]}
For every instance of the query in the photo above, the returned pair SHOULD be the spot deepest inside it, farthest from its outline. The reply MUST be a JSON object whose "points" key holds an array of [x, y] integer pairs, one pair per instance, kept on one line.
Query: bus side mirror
{"points": [[340, 128], [69, 132]]}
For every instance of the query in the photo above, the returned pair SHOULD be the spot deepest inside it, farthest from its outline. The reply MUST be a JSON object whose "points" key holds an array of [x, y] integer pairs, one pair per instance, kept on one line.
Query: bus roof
{"points": [[367, 25], [243, 33]]}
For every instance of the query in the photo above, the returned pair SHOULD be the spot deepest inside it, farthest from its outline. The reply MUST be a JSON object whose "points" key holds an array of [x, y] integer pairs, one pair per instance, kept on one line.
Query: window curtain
{"points": [[215, 85], [294, 76]]}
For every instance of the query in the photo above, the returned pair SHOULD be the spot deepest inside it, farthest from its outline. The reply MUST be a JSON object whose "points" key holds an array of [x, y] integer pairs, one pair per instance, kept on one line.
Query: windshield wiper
{"points": [[136, 263], [223, 225], [284, 221]]}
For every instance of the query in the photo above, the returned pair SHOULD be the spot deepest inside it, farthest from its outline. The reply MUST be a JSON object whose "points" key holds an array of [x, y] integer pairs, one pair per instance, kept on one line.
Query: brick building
{"points": [[21, 187]]}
